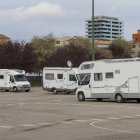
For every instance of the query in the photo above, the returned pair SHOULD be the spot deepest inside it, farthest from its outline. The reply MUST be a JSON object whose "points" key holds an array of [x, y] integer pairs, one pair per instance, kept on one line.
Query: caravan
{"points": [[13, 79], [117, 79], [56, 79]]}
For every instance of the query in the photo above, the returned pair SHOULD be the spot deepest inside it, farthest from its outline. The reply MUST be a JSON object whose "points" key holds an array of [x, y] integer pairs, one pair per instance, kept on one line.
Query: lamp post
{"points": [[93, 44]]}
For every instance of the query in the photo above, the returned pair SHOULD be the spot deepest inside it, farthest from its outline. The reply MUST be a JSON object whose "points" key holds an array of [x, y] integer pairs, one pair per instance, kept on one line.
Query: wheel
{"points": [[119, 98], [67, 92], [81, 96], [14, 89], [6, 90], [138, 100], [55, 91], [27, 90], [99, 99]]}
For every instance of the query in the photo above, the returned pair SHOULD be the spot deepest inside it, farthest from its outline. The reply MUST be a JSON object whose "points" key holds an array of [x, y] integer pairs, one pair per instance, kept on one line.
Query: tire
{"points": [[67, 92], [138, 100], [27, 90], [14, 89], [81, 97], [119, 98], [99, 99], [55, 91]]}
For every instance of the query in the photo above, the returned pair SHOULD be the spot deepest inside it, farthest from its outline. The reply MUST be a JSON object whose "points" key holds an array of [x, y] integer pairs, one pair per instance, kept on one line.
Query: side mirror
{"points": [[12, 80], [79, 82]]}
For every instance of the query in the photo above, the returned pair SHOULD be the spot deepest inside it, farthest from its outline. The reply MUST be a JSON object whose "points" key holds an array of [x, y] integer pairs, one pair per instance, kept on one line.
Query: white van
{"points": [[15, 80], [117, 79], [57, 79]]}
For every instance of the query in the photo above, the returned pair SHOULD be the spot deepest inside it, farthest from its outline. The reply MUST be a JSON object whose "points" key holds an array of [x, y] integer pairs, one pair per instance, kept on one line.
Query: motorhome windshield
{"points": [[19, 78], [83, 79]]}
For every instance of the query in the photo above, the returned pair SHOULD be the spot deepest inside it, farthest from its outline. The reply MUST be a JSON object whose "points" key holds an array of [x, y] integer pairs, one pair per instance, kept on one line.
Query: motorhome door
{"points": [[84, 80], [65, 80], [11, 81], [60, 80], [2, 81], [133, 87], [70, 81]]}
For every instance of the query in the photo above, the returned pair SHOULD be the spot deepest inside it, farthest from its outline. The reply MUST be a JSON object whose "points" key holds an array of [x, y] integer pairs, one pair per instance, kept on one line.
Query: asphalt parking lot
{"points": [[38, 115]]}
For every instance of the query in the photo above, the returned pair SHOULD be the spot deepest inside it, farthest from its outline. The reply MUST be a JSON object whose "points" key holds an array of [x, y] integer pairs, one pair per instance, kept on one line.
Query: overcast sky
{"points": [[23, 19]]}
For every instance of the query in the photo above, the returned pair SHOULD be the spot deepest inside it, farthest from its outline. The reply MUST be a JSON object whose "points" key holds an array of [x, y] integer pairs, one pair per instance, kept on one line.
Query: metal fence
{"points": [[35, 80]]}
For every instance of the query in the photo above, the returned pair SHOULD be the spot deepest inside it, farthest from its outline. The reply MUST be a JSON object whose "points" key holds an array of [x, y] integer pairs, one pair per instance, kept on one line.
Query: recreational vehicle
{"points": [[14, 80], [117, 79], [59, 79]]}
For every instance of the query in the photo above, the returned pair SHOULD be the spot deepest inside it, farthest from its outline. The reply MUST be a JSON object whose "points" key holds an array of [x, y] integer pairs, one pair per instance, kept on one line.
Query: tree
{"points": [[10, 55], [75, 54], [120, 49], [42, 47], [28, 58], [103, 53], [80, 41]]}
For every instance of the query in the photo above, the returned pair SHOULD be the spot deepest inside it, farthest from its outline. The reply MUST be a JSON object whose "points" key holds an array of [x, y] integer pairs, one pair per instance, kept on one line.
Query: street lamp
{"points": [[93, 44]]}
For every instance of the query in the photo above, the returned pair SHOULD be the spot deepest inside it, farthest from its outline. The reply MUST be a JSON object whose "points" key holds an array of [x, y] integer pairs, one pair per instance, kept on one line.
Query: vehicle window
{"points": [[72, 77], [49, 76], [12, 79], [1, 76], [109, 75], [87, 66], [59, 76], [117, 71], [80, 77], [98, 76], [86, 80], [20, 78]]}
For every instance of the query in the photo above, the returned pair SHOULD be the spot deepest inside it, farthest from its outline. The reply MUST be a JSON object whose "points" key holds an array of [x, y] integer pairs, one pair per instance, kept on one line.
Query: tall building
{"points": [[105, 28]]}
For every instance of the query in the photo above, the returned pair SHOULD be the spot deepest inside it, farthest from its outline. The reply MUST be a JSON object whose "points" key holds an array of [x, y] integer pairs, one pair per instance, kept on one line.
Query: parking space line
{"points": [[109, 129], [27, 125], [129, 117], [113, 118], [93, 124], [7, 126]]}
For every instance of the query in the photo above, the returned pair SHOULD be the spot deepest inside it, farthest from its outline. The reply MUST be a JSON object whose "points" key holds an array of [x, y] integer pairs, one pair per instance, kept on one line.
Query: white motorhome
{"points": [[57, 79], [117, 79], [15, 80]]}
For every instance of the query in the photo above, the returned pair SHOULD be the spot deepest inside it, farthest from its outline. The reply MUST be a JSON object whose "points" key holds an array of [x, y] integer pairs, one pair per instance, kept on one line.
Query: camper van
{"points": [[14, 80], [57, 79], [117, 79]]}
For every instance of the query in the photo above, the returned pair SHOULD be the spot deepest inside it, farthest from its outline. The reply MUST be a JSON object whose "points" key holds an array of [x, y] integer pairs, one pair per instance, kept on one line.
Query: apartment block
{"points": [[105, 28]]}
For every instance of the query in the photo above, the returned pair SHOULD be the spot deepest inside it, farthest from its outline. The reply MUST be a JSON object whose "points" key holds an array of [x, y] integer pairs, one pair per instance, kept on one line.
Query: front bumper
{"points": [[23, 88]]}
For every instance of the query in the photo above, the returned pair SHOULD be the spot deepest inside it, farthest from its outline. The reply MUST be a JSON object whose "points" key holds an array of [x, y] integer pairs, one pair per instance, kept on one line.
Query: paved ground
{"points": [[40, 116]]}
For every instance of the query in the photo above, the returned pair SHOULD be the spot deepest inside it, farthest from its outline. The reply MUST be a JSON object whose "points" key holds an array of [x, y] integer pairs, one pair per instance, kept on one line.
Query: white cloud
{"points": [[43, 9]]}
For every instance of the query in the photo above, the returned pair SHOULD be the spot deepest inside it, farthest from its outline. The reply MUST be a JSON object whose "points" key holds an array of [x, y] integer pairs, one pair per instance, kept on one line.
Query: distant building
{"points": [[65, 40], [62, 41], [102, 43], [136, 37], [136, 43], [4, 39], [105, 28]]}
